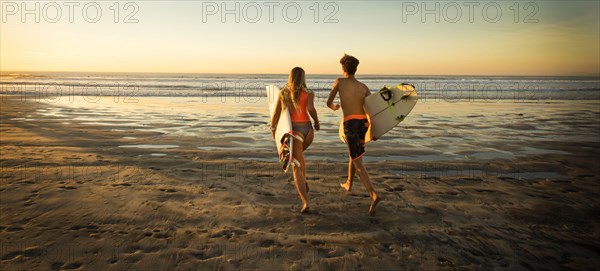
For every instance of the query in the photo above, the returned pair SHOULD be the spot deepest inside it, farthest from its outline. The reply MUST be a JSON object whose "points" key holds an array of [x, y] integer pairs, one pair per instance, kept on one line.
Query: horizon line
{"points": [[332, 74]]}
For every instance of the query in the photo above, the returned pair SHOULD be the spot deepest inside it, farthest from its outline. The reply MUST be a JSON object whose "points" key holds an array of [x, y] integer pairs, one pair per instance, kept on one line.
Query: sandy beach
{"points": [[137, 135], [155, 186]]}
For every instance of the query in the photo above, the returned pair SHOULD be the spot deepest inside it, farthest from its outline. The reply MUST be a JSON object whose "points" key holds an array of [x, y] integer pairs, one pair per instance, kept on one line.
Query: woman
{"points": [[300, 102]]}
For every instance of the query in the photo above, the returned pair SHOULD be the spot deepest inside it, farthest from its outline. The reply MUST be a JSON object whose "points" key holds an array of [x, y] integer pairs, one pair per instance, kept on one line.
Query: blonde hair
{"points": [[291, 91]]}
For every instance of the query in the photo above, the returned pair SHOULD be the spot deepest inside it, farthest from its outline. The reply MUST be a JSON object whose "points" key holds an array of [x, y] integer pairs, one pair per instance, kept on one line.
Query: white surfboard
{"points": [[386, 109], [283, 131]]}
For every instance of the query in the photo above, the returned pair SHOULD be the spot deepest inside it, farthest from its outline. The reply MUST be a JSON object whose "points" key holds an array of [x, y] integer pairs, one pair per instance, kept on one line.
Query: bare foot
{"points": [[346, 186], [304, 209], [373, 206]]}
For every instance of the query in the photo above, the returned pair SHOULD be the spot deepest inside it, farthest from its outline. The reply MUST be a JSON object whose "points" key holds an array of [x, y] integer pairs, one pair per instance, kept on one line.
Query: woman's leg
{"points": [[299, 173], [307, 141]]}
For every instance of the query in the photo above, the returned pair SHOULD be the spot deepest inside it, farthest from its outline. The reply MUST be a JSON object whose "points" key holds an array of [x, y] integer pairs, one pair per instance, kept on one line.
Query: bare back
{"points": [[352, 94]]}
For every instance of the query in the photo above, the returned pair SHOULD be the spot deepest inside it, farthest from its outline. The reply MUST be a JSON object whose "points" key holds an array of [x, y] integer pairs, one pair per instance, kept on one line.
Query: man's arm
{"points": [[367, 91], [332, 94]]}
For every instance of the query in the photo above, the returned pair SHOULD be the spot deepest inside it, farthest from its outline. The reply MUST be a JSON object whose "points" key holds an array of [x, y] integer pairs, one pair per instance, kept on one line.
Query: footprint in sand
{"points": [[227, 175], [30, 199], [450, 193], [131, 249], [28, 253], [395, 188], [268, 194], [384, 247], [57, 265], [436, 178], [161, 235], [63, 266], [11, 228], [503, 178], [266, 243], [586, 175], [205, 255], [89, 228], [474, 179], [539, 196], [486, 191], [228, 233], [391, 177], [317, 242]]}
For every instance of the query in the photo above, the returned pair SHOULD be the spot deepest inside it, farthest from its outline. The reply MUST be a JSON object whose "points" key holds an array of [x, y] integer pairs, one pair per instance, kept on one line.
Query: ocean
{"points": [[456, 117], [251, 86]]}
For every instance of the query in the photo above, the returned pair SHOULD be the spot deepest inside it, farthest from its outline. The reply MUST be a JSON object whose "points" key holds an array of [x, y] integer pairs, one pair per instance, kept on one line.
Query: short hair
{"points": [[349, 64]]}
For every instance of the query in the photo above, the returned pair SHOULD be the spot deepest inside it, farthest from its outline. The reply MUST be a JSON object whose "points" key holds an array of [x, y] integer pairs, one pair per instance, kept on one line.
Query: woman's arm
{"points": [[275, 118], [310, 107]]}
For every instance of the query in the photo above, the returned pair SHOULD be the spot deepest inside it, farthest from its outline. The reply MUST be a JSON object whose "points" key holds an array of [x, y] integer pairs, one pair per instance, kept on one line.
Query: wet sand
{"points": [[509, 186]]}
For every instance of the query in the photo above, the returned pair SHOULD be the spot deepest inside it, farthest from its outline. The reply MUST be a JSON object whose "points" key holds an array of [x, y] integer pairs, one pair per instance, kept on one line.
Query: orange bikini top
{"points": [[301, 115]]}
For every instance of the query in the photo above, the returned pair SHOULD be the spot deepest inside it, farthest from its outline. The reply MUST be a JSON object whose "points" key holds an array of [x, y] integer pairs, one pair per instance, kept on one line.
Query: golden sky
{"points": [[420, 38]]}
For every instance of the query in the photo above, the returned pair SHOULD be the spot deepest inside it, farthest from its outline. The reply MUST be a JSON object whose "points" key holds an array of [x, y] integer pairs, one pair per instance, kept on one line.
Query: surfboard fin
{"points": [[296, 136], [296, 163], [285, 156], [285, 153]]}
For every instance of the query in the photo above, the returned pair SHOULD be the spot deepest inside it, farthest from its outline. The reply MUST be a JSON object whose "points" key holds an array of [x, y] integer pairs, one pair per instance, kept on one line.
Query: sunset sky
{"points": [[542, 38]]}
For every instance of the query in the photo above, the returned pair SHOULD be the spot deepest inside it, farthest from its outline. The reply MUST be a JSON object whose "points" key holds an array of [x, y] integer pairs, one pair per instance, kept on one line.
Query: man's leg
{"points": [[351, 173], [364, 178]]}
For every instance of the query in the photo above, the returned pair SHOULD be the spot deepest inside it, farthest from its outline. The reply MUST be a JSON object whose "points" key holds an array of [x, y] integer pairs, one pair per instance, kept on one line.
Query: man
{"points": [[352, 95]]}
